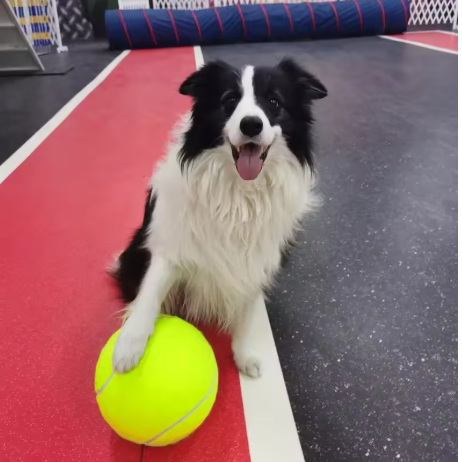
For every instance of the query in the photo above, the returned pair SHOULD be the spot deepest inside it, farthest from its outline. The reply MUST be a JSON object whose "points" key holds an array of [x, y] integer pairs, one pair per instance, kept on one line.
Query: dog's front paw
{"points": [[248, 364], [127, 352], [130, 346]]}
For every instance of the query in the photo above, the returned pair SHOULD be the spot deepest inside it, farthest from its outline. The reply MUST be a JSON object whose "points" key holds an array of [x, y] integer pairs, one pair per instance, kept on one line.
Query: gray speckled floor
{"points": [[365, 317]]}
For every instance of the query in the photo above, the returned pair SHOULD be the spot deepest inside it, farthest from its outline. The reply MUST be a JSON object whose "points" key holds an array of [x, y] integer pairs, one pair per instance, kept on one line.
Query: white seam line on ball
{"points": [[197, 406], [105, 384]]}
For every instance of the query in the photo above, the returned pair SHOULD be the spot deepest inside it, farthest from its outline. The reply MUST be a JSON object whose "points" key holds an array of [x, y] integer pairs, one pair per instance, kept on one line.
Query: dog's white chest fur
{"points": [[224, 235]]}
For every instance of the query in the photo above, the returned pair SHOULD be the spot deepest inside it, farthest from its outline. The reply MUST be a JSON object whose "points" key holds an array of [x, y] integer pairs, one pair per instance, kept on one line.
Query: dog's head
{"points": [[250, 112]]}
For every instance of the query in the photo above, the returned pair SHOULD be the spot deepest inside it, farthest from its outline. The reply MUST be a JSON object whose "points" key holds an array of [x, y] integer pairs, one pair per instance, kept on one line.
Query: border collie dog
{"points": [[222, 206]]}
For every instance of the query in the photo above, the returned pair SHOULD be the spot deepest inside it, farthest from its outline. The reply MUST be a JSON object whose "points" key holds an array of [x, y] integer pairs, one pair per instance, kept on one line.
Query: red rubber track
{"points": [[64, 212]]}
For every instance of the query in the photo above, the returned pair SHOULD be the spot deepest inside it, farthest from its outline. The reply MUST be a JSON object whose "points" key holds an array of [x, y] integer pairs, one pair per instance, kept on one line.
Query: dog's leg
{"points": [[145, 308], [244, 357]]}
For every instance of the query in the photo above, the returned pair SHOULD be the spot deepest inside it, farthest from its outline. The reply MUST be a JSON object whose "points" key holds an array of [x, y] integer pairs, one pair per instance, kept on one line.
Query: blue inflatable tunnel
{"points": [[132, 29]]}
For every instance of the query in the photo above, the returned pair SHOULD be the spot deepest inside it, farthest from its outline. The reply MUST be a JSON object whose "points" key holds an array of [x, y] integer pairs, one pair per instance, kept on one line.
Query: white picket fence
{"points": [[423, 12]]}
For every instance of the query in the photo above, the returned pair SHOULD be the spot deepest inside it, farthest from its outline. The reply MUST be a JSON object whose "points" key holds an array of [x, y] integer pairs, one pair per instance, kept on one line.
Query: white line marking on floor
{"points": [[198, 56], [17, 158], [271, 429], [447, 32], [413, 32], [423, 45]]}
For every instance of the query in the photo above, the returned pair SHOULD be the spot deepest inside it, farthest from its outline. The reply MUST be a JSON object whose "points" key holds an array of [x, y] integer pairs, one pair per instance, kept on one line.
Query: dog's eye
{"points": [[230, 98], [274, 102]]}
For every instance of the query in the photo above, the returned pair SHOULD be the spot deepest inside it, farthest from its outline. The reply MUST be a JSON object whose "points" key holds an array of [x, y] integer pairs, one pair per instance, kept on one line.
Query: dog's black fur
{"points": [[134, 260]]}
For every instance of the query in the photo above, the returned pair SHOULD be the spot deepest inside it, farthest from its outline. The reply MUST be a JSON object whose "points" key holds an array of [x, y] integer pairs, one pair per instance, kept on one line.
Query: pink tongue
{"points": [[249, 163]]}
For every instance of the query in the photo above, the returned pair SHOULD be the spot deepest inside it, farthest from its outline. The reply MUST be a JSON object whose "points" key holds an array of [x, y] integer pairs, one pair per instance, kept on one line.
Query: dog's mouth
{"points": [[249, 159]]}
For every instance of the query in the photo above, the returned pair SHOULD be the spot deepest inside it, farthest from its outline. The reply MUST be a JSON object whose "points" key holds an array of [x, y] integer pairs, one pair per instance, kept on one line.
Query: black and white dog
{"points": [[222, 206]]}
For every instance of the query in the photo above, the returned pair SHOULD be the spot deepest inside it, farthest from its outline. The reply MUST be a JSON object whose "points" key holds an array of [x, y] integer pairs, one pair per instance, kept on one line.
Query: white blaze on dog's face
{"points": [[248, 110], [249, 131]]}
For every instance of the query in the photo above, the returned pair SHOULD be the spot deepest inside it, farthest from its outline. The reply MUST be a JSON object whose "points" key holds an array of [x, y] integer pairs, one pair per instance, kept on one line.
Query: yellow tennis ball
{"points": [[169, 394]]}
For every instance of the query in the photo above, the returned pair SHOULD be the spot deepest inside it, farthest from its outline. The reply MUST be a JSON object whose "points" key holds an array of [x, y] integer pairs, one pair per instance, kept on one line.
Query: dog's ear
{"points": [[204, 79], [310, 86]]}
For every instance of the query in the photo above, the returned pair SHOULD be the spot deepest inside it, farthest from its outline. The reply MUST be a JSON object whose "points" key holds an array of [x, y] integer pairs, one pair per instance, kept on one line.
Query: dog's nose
{"points": [[251, 126]]}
